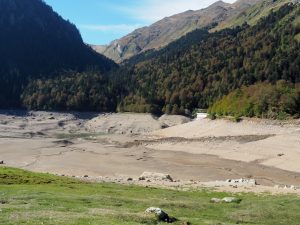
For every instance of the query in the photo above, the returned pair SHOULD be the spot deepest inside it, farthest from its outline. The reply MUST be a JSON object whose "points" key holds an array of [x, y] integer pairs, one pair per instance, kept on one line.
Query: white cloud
{"points": [[150, 11], [113, 27]]}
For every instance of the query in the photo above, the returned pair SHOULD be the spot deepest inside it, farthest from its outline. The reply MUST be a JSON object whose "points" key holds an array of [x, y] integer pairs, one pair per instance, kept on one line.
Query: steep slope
{"points": [[203, 73], [190, 76], [252, 14], [35, 41], [171, 28]]}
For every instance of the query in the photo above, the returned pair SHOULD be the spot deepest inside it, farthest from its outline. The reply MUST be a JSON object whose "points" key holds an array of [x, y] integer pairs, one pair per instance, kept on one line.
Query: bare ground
{"points": [[114, 147]]}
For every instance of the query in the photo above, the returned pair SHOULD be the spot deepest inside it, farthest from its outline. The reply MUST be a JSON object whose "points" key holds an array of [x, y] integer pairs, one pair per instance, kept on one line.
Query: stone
{"points": [[155, 177], [242, 182], [1, 162], [226, 200], [231, 200], [160, 214]]}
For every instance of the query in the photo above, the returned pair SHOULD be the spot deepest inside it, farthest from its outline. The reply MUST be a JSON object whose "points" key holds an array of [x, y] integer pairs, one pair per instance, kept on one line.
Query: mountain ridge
{"points": [[35, 41], [169, 29]]}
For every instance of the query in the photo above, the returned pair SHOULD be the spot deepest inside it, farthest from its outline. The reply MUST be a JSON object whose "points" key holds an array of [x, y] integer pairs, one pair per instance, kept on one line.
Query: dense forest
{"points": [[227, 60], [36, 42], [263, 100], [195, 71], [72, 91]]}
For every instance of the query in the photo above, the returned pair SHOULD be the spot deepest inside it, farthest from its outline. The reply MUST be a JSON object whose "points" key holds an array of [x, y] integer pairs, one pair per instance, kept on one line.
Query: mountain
{"points": [[252, 14], [193, 72], [171, 28], [226, 60], [36, 42]]}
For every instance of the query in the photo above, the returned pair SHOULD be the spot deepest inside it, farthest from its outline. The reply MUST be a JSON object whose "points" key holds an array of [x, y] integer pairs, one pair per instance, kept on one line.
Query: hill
{"points": [[226, 60], [34, 42], [252, 14], [165, 31], [192, 72]]}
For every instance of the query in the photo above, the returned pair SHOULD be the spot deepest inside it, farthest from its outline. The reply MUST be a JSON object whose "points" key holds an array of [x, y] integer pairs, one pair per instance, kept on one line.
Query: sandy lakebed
{"points": [[120, 147]]}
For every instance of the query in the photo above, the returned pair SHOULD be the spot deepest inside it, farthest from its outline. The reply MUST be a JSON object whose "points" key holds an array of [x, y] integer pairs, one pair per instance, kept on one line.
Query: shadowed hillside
{"points": [[36, 41]]}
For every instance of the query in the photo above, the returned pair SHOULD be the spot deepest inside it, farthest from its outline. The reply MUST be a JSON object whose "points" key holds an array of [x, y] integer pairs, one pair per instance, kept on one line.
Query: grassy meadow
{"points": [[33, 198]]}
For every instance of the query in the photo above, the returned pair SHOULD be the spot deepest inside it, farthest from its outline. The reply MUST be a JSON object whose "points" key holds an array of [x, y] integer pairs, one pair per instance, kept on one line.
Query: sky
{"points": [[102, 21]]}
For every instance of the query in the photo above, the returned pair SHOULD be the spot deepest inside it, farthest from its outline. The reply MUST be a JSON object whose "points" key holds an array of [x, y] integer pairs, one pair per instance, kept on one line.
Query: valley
{"points": [[193, 118], [115, 147]]}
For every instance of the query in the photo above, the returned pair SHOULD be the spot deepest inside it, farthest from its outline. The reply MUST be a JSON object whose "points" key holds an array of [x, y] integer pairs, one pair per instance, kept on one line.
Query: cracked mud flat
{"points": [[126, 145]]}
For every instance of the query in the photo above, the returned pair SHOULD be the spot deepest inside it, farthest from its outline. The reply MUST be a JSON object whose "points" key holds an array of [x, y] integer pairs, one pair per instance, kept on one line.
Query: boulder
{"points": [[226, 200], [155, 177], [160, 214], [231, 200]]}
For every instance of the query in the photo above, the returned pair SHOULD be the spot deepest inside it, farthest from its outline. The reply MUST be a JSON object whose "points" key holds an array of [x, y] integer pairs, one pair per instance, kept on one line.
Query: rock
{"points": [[129, 179], [231, 200], [51, 118], [1, 162], [160, 214], [86, 176], [226, 200], [248, 182], [155, 177]]}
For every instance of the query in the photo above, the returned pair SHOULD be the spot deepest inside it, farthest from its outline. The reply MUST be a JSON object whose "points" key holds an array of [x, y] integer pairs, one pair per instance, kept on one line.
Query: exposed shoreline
{"points": [[115, 147]]}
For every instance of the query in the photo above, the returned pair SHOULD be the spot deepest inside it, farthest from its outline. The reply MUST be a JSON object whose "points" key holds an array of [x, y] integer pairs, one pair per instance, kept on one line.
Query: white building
{"points": [[201, 116]]}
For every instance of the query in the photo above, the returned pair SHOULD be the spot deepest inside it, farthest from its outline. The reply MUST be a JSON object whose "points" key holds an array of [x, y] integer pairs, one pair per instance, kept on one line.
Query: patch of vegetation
{"points": [[253, 14], [297, 38], [65, 201], [262, 100], [10, 176]]}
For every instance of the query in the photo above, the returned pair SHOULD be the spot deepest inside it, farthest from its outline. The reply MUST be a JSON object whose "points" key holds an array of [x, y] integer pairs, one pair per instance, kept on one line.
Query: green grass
{"points": [[297, 37], [253, 14], [31, 198]]}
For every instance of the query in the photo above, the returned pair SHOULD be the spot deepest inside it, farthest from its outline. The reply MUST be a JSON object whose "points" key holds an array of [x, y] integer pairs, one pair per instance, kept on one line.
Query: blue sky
{"points": [[102, 21]]}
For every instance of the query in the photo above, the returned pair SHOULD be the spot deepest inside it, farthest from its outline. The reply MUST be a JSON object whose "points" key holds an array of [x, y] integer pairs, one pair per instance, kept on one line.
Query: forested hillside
{"points": [[263, 100], [36, 42], [195, 71], [197, 77]]}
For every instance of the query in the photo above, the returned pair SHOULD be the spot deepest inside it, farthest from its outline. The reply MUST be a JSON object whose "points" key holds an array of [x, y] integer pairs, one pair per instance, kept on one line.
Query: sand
{"points": [[115, 147]]}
